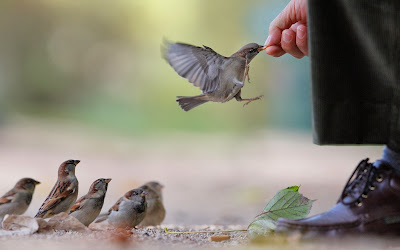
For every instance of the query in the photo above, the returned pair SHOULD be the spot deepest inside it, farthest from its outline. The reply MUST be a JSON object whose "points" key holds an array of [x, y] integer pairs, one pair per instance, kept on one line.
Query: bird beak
{"points": [[261, 48], [76, 162], [107, 180], [37, 182], [144, 193]]}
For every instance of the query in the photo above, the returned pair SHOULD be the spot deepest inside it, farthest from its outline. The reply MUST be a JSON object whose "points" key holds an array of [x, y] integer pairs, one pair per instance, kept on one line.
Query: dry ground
{"points": [[221, 180]]}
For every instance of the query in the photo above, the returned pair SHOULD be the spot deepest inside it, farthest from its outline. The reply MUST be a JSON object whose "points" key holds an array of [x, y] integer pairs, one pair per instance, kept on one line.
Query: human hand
{"points": [[288, 31]]}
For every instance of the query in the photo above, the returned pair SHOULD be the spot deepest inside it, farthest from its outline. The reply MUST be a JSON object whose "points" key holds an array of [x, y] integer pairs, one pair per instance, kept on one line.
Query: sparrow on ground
{"points": [[89, 206], [220, 78], [128, 211], [155, 209], [64, 193], [17, 200]]}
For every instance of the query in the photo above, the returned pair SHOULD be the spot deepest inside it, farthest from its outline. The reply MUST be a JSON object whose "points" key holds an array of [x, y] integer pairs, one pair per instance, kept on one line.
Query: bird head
{"points": [[99, 185], [67, 168], [154, 189], [249, 51], [138, 195], [155, 185], [27, 184]]}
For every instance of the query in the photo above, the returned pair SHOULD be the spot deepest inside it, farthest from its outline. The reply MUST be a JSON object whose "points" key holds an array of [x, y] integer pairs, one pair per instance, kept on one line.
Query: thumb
{"points": [[295, 11]]}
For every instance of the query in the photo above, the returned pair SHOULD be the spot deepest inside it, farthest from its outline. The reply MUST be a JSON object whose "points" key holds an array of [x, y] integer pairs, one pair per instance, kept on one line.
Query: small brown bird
{"points": [[128, 211], [155, 208], [17, 200], [89, 206], [220, 78], [64, 193]]}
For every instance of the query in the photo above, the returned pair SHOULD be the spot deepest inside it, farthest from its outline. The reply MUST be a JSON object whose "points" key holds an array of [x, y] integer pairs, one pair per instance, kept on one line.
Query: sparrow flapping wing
{"points": [[59, 193], [200, 65]]}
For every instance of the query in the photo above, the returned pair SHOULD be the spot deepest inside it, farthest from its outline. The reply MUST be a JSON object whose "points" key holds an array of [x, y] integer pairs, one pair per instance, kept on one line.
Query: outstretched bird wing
{"points": [[200, 65]]}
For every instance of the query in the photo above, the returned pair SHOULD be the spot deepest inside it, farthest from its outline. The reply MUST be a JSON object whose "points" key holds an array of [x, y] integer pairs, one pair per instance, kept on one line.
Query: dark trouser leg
{"points": [[355, 64]]}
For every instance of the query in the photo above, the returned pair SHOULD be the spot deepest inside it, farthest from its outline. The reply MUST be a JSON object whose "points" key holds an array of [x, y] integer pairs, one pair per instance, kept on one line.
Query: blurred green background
{"points": [[85, 80], [98, 64]]}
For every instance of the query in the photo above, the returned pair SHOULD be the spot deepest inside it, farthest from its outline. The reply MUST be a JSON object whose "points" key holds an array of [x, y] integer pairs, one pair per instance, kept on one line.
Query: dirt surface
{"points": [[218, 180], [155, 238], [106, 237]]}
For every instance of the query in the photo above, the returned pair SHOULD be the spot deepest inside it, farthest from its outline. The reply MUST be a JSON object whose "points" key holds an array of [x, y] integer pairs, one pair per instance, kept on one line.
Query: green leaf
{"points": [[261, 226], [294, 188], [287, 203]]}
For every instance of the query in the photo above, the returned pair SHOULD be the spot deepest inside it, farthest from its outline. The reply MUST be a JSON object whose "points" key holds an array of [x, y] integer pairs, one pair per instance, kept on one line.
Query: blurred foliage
{"points": [[99, 63]]}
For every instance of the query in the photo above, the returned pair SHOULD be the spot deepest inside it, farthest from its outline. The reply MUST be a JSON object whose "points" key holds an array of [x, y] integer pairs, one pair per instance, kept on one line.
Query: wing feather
{"points": [[8, 197], [199, 65], [60, 191], [78, 205], [115, 207]]}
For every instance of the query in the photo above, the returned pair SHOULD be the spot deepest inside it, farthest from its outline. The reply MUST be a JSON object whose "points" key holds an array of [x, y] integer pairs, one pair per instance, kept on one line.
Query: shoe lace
{"points": [[360, 183]]}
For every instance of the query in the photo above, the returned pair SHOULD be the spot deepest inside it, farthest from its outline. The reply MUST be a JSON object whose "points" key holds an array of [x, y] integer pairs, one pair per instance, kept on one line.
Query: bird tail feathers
{"points": [[39, 214], [101, 217], [189, 102]]}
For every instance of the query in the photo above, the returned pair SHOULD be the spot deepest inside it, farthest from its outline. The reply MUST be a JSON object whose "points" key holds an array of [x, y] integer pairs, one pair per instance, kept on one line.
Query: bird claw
{"points": [[252, 99]]}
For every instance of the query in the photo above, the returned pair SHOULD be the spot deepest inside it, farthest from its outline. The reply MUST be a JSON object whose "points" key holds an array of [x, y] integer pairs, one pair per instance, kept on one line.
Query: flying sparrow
{"points": [[219, 78], [88, 207], [155, 209], [128, 211], [17, 200], [64, 193]]}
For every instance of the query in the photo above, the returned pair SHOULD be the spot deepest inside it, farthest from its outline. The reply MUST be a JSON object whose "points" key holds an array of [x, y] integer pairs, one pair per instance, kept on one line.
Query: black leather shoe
{"points": [[370, 203]]}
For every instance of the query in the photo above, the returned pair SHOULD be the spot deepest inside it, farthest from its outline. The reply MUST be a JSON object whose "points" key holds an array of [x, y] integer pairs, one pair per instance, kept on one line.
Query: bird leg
{"points": [[247, 73], [235, 91], [248, 100]]}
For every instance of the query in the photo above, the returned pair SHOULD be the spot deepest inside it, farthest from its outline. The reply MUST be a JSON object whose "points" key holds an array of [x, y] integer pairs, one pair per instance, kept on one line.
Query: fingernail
{"points": [[267, 41], [301, 33], [286, 37]]}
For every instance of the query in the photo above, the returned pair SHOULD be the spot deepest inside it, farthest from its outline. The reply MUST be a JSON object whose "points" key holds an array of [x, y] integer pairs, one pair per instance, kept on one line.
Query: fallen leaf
{"points": [[287, 203]]}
